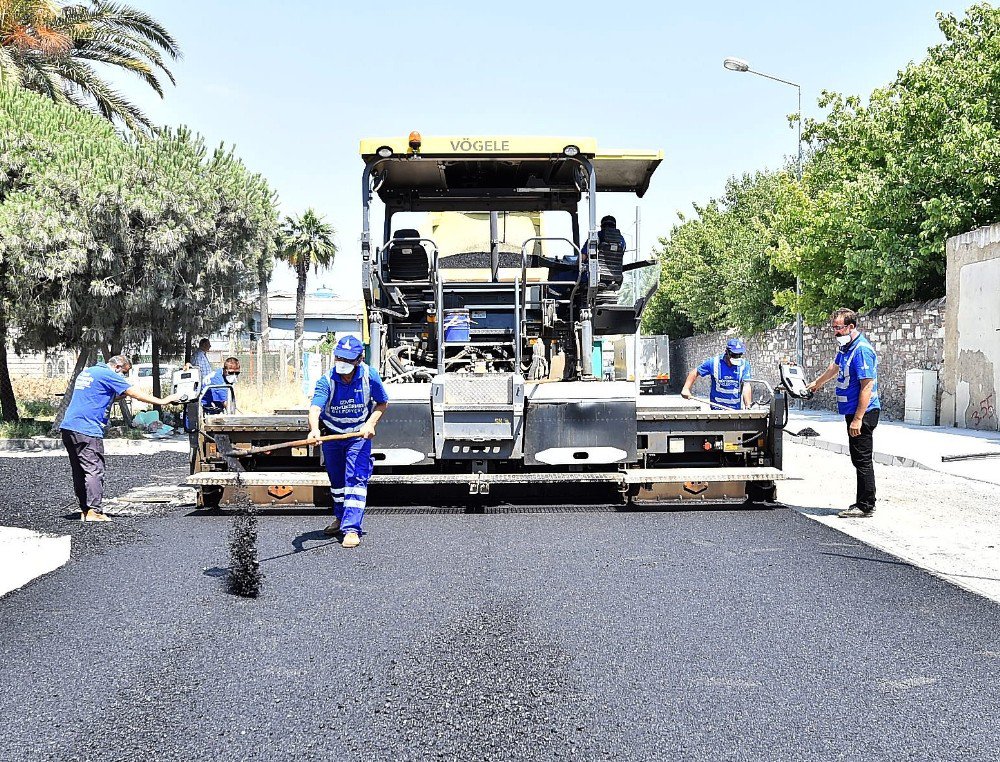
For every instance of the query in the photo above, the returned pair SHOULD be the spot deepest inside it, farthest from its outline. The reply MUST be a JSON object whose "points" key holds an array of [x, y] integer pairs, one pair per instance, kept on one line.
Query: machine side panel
{"points": [[594, 425]]}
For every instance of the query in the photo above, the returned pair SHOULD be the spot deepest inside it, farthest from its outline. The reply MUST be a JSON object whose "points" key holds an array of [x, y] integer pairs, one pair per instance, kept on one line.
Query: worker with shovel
{"points": [[83, 427], [727, 372], [349, 399]]}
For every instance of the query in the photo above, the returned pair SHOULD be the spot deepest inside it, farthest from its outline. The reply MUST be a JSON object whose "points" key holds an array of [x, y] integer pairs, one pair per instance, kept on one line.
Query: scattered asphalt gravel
{"points": [[38, 494], [514, 634]]}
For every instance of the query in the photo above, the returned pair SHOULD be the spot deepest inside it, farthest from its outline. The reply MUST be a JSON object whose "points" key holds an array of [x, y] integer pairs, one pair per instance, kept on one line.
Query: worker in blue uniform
{"points": [[350, 398], [727, 372], [214, 401], [85, 421]]}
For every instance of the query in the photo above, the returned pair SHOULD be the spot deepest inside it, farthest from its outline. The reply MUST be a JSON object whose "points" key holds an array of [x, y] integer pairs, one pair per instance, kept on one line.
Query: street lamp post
{"points": [[739, 65]]}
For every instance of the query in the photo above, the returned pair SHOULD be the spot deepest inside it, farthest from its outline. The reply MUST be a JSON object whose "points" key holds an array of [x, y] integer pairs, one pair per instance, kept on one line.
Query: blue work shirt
{"points": [[94, 391], [856, 361], [346, 407], [727, 380], [214, 400]]}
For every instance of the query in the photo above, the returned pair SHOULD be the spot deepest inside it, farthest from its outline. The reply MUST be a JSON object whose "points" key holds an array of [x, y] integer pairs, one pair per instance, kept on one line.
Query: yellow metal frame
{"points": [[481, 145]]}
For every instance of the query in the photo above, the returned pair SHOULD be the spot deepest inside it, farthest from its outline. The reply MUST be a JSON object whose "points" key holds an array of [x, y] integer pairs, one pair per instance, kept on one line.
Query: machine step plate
{"points": [[682, 475], [628, 476]]}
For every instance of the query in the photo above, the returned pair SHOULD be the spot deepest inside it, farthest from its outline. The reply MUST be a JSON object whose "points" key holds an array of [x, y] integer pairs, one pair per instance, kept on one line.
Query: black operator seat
{"points": [[406, 260], [611, 252]]}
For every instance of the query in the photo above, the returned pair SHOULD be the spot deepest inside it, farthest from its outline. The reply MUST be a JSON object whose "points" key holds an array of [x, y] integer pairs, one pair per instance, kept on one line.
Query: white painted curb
{"points": [[25, 555]]}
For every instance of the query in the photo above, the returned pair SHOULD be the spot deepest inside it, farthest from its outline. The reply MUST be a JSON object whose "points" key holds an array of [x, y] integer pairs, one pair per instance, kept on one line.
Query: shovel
{"points": [[708, 402], [229, 452]]}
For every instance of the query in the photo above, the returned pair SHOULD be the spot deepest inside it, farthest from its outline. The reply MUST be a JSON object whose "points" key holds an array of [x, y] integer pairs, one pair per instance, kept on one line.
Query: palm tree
{"points": [[52, 49], [303, 242]]}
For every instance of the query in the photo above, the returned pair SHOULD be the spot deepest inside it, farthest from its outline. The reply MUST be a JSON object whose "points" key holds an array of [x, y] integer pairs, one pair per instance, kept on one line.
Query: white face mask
{"points": [[844, 340], [231, 378], [344, 368], [736, 361]]}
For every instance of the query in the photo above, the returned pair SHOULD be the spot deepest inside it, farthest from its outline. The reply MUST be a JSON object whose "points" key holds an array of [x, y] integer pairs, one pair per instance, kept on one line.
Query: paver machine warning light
{"points": [[489, 288]]}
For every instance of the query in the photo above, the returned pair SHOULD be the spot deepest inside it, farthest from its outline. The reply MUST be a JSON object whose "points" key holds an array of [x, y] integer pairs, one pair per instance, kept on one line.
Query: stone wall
{"points": [[910, 336]]}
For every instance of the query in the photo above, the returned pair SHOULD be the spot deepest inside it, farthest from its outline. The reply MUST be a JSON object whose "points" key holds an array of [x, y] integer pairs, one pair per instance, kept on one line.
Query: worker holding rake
{"points": [[349, 399]]}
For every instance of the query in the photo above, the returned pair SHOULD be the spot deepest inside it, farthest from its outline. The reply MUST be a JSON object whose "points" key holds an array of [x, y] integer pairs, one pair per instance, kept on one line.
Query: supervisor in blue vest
{"points": [[350, 398], [727, 373], [855, 367], [84, 423]]}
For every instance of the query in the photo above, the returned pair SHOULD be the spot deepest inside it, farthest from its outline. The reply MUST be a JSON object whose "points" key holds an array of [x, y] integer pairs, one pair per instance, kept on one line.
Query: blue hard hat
{"points": [[349, 348], [735, 347]]}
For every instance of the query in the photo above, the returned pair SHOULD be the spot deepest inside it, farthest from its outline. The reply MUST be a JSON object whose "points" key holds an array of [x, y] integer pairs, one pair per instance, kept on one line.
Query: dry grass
{"points": [[273, 396], [36, 397], [34, 388]]}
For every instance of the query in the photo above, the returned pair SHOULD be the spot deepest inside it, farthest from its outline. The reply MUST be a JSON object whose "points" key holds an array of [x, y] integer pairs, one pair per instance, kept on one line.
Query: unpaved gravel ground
{"points": [[513, 635]]}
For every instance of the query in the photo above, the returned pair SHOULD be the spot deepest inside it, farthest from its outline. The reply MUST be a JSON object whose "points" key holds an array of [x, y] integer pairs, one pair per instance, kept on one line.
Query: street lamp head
{"points": [[736, 64]]}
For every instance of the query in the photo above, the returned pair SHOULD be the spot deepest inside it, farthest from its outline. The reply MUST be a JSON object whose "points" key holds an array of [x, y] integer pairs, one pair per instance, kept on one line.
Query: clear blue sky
{"points": [[295, 85]]}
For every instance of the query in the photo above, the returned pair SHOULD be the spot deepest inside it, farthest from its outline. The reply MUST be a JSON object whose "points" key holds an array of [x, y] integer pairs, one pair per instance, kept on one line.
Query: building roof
{"points": [[283, 306]]}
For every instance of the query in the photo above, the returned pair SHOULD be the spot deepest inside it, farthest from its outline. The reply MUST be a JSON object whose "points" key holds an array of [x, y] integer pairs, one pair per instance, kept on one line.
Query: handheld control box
{"points": [[794, 381], [187, 382]]}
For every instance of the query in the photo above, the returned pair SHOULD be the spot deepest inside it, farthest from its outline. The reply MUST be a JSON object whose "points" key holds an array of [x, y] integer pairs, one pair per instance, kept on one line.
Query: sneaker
{"points": [[92, 515], [856, 512], [333, 529], [352, 540]]}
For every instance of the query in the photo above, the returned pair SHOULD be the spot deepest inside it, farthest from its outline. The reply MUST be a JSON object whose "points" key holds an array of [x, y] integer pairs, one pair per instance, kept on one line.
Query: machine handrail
{"points": [[522, 316]]}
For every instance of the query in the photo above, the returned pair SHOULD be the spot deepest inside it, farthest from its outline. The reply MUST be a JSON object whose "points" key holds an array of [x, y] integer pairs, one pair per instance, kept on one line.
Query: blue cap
{"points": [[349, 348], [735, 347]]}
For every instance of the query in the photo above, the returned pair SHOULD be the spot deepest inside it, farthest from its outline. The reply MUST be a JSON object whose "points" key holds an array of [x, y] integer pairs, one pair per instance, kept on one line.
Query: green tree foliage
{"points": [[718, 269], [303, 242], [104, 242], [893, 179], [888, 180], [53, 48]]}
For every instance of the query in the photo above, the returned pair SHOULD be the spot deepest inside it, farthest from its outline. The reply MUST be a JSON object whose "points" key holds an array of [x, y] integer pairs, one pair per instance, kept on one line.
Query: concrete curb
{"points": [[44, 447], [26, 554], [879, 457], [30, 445]]}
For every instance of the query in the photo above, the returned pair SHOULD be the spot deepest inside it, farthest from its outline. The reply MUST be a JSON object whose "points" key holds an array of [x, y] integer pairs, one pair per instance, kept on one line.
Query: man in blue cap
{"points": [[727, 371], [350, 398]]}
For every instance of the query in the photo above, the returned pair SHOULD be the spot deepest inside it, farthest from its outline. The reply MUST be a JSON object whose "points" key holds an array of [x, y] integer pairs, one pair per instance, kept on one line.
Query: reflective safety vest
{"points": [[345, 416], [727, 382], [849, 380]]}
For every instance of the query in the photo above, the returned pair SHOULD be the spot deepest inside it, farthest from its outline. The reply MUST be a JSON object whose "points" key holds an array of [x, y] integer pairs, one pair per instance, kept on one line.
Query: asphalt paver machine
{"points": [[489, 287]]}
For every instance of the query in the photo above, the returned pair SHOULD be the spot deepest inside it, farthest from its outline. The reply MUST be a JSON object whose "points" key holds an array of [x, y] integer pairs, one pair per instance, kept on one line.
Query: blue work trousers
{"points": [[349, 465]]}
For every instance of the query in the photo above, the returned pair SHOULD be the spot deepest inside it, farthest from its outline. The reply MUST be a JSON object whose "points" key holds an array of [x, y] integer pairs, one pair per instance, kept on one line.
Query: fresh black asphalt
{"points": [[519, 633]]}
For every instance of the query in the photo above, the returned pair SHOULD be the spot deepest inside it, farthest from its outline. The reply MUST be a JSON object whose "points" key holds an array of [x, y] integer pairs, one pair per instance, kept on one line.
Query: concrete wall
{"points": [[971, 374], [911, 336]]}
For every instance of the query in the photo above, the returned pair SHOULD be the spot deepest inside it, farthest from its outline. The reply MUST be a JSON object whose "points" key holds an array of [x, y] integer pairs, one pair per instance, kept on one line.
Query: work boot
{"points": [[352, 540], [93, 515], [334, 527]]}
